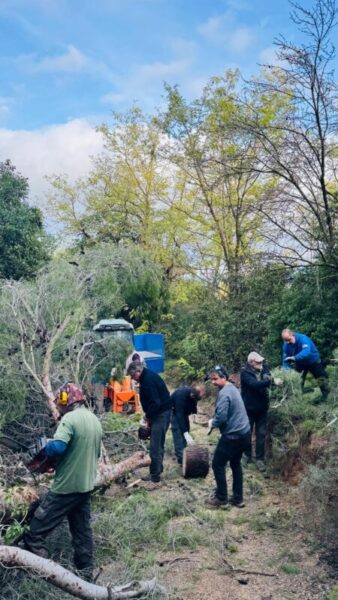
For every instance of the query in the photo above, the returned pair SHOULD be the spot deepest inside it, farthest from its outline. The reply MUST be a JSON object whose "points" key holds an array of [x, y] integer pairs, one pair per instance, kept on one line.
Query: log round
{"points": [[195, 462]]}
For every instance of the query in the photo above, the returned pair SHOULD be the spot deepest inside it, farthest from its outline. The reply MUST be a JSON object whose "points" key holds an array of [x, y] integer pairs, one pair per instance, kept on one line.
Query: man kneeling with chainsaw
{"points": [[76, 444]]}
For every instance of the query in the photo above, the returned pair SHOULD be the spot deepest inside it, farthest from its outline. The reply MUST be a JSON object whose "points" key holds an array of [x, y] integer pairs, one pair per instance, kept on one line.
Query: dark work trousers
{"points": [[318, 371], [159, 427], [259, 421], [52, 510], [229, 450], [178, 438]]}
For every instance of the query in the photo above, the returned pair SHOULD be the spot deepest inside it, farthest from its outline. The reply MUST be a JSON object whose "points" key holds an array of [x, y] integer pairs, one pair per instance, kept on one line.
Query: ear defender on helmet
{"points": [[62, 396]]}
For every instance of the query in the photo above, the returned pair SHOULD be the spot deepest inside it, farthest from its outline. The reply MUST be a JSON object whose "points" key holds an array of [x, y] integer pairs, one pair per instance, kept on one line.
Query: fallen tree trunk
{"points": [[108, 472], [68, 582], [20, 499]]}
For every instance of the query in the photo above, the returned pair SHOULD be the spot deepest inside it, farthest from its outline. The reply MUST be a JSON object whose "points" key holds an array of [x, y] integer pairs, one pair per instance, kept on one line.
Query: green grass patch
{"points": [[290, 569]]}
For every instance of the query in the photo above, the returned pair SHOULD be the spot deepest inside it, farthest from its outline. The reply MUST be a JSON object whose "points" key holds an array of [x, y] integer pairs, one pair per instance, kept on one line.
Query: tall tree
{"points": [[23, 243], [214, 165], [125, 197], [299, 147]]}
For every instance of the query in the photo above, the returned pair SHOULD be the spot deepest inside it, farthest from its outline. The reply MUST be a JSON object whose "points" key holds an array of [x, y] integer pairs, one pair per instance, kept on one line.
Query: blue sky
{"points": [[65, 64]]}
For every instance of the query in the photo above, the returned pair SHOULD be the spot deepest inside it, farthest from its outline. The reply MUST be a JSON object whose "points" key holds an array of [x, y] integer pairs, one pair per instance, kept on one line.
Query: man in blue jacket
{"points": [[156, 403], [300, 352]]}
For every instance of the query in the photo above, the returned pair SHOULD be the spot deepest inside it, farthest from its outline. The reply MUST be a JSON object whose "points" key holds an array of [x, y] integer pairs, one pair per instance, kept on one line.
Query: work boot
{"points": [[215, 502], [260, 464], [237, 503], [150, 478]]}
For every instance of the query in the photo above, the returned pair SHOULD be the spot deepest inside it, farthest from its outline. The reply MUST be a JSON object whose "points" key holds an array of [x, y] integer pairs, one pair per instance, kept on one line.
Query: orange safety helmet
{"points": [[68, 394]]}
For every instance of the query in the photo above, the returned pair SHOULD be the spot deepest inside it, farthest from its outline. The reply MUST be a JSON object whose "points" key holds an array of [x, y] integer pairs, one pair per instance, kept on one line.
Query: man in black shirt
{"points": [[156, 403], [256, 380], [184, 401]]}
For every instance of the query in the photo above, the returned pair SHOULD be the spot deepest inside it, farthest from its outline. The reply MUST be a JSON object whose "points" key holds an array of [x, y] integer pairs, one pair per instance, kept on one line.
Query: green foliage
{"points": [[118, 422], [306, 304], [290, 569], [209, 328], [13, 532], [333, 593], [23, 243], [13, 394], [320, 492], [136, 522]]}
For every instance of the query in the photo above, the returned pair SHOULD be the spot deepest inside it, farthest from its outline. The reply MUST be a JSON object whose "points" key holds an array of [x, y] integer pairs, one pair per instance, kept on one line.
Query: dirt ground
{"points": [[261, 551]]}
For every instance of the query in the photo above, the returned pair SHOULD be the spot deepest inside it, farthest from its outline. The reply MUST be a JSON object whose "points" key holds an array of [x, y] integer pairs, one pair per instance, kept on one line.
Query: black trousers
{"points": [[230, 450], [259, 421], [318, 371], [178, 439], [52, 510], [159, 428]]}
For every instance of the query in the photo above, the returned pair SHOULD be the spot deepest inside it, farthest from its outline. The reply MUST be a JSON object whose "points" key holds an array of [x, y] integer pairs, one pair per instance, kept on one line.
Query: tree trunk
{"points": [[21, 498], [62, 578]]}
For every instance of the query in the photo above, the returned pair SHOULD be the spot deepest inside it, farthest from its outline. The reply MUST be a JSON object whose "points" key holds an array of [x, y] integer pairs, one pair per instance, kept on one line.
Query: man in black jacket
{"points": [[255, 382], [184, 401], [156, 403]]}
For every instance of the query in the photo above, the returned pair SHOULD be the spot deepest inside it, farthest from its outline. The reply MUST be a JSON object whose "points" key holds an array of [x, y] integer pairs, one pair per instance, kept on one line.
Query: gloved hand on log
{"points": [[190, 441], [210, 426], [278, 381]]}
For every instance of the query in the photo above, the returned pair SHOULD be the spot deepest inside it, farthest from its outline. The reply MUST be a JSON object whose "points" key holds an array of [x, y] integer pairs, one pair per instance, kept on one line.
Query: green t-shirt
{"points": [[76, 471]]}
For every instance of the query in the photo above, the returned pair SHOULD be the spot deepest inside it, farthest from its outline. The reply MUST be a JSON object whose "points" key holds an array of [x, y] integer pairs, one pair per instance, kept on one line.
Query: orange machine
{"points": [[122, 396]]}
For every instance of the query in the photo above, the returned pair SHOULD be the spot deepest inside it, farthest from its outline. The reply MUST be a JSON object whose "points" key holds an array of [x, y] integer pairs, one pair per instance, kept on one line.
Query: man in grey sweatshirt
{"points": [[232, 420]]}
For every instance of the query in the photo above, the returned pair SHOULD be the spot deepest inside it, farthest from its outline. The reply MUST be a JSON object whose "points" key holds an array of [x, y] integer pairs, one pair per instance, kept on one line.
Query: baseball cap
{"points": [[255, 356]]}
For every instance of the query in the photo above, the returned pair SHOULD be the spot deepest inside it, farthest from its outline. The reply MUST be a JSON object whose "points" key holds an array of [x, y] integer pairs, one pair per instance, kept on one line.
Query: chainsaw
{"points": [[37, 459], [34, 457]]}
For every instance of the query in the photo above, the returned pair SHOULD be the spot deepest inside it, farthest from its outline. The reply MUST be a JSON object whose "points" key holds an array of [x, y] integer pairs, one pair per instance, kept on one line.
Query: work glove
{"points": [[190, 441], [277, 381], [290, 358], [210, 425], [144, 422], [266, 377]]}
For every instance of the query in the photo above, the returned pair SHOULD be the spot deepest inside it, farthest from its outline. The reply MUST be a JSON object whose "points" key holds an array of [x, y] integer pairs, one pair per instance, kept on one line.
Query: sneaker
{"points": [[260, 464], [237, 503], [215, 502]]}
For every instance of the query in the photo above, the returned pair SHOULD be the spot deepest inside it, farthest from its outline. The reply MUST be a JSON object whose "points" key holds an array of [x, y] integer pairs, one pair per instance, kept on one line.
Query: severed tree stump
{"points": [[195, 462]]}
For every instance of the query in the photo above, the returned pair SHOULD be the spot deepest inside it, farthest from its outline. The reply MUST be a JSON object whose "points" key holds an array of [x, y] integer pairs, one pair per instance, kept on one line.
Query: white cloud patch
{"points": [[54, 150], [148, 79], [4, 107], [268, 56], [72, 61], [223, 31]]}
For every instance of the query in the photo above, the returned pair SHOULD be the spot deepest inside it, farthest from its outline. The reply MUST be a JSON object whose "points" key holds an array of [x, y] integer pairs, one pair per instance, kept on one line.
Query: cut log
{"points": [[67, 581], [108, 472], [195, 462]]}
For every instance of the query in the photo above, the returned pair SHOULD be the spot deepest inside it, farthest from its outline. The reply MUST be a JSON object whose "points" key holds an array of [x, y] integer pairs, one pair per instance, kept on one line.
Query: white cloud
{"points": [[72, 61], [4, 107], [148, 79], [223, 31], [268, 56], [58, 149]]}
